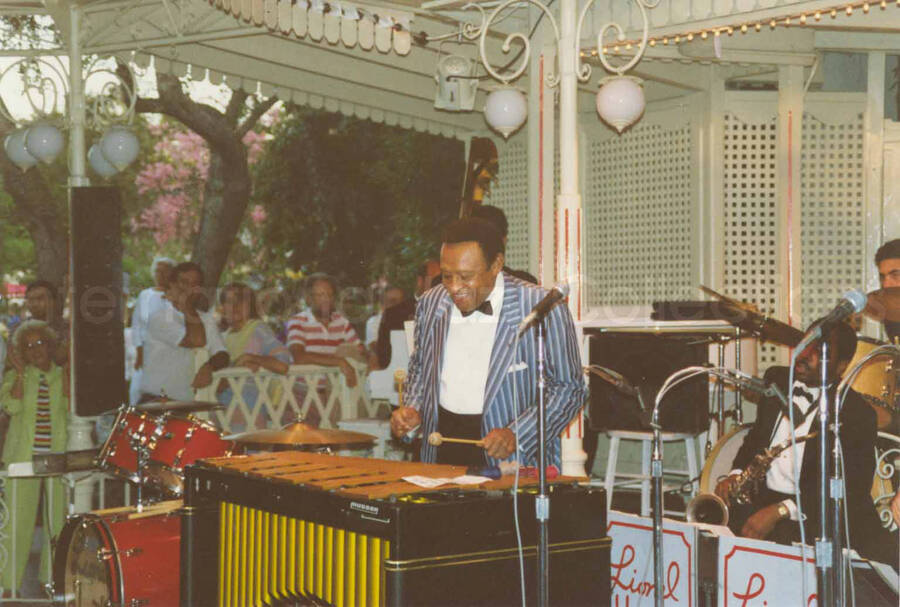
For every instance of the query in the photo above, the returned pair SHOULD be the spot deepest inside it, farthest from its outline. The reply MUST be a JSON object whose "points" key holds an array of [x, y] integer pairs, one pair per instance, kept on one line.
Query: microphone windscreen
{"points": [[857, 298]]}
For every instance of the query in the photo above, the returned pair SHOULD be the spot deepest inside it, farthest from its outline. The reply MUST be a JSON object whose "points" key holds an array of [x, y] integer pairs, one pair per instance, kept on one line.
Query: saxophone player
{"points": [[773, 513]]}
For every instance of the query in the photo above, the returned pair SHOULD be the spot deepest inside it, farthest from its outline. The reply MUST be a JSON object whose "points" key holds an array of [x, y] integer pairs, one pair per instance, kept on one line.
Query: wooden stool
{"points": [[646, 438]]}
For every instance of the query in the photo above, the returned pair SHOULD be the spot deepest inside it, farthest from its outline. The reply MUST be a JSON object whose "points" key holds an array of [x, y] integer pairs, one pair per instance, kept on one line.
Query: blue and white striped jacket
{"points": [[512, 387]]}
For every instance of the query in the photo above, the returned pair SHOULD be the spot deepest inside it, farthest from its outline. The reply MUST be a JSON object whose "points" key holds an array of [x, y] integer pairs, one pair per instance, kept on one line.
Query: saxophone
{"points": [[712, 509]]}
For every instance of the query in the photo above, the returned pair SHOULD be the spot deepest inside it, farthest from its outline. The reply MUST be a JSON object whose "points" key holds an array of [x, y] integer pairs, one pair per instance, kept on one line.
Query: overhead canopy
{"points": [[337, 57]]}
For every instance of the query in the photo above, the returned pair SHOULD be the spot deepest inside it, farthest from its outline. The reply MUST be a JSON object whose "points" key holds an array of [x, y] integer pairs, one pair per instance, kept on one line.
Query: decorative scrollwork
{"points": [[887, 476], [40, 82], [44, 86], [583, 70], [552, 79], [114, 103]]}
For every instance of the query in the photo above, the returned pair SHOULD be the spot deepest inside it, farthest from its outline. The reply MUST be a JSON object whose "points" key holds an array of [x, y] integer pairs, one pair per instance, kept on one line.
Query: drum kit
{"points": [[130, 555]]}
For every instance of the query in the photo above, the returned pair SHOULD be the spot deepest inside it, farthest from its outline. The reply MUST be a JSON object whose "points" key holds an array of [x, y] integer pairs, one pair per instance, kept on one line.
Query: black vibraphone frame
{"points": [[450, 547]]}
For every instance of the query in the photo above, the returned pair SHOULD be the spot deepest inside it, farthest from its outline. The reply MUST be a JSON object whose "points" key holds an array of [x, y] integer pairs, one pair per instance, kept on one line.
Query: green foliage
{"points": [[355, 199]]}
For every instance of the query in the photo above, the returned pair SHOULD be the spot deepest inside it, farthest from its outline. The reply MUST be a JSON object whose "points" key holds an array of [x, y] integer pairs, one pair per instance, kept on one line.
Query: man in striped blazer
{"points": [[469, 377]]}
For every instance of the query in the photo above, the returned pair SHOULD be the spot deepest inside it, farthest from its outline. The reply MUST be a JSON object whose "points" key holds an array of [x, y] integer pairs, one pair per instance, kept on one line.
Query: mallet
{"points": [[435, 438]]}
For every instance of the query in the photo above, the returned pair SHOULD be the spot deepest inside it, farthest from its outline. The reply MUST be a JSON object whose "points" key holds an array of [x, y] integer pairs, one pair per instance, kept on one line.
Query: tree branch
{"points": [[258, 110], [235, 106]]}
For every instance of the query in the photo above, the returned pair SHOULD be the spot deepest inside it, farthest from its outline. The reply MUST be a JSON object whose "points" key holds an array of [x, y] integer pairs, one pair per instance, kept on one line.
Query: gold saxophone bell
{"points": [[707, 508]]}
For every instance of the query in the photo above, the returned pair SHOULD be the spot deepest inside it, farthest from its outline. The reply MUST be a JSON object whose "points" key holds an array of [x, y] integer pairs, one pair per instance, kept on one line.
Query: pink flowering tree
{"points": [[202, 196]]}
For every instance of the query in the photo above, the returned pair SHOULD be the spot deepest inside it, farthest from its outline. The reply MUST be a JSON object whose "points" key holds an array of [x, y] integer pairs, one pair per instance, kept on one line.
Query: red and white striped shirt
{"points": [[304, 329]]}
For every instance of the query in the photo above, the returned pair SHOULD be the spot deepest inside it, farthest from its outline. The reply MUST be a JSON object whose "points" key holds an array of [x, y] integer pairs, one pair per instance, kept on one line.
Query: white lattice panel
{"points": [[750, 215], [510, 193], [833, 215], [640, 206]]}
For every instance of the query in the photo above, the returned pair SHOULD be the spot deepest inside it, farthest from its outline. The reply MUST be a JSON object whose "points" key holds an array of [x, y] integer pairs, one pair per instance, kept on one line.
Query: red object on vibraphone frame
{"points": [[272, 528]]}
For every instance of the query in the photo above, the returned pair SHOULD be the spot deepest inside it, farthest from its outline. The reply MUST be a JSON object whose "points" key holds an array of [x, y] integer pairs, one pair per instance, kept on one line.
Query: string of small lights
{"points": [[703, 34]]}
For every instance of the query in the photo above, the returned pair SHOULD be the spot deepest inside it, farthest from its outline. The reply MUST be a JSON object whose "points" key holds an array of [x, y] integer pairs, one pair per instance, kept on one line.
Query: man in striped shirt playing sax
{"points": [[320, 335]]}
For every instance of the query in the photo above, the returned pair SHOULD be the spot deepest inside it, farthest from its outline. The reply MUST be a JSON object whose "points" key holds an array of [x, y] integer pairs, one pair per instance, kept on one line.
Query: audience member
{"points": [[390, 297], [174, 332], [320, 335], [36, 396], [43, 303], [150, 301], [394, 316], [250, 341]]}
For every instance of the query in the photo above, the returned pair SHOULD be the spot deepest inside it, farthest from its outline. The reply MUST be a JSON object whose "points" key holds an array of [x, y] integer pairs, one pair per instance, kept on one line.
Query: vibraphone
{"points": [[295, 527]]}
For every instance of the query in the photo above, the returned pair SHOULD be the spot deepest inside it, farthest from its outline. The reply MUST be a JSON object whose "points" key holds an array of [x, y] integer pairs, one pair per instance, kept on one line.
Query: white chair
{"points": [[643, 479], [381, 383]]}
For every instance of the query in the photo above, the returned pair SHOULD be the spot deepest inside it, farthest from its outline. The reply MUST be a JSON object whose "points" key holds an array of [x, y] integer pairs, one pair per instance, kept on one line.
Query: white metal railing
{"points": [[263, 399]]}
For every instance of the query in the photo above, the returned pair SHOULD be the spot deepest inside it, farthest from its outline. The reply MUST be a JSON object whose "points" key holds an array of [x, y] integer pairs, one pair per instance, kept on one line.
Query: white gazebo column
{"points": [[80, 428], [873, 164], [77, 164], [541, 127], [787, 179], [568, 207]]}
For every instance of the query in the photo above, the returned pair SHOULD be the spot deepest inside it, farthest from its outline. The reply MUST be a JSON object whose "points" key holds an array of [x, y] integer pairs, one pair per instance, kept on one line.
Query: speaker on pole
{"points": [[98, 342]]}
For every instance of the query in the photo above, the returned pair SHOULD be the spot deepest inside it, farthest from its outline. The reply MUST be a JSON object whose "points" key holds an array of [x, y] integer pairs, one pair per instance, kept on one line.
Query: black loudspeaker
{"points": [[98, 342], [646, 360]]}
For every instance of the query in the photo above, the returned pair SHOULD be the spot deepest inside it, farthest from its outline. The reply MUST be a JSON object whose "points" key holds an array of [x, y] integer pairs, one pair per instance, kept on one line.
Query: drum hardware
{"points": [[151, 451], [104, 554], [175, 407], [710, 508]]}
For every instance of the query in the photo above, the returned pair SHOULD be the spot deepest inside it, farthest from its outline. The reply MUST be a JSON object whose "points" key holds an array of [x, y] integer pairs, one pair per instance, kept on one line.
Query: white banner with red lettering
{"points": [[631, 562], [754, 572]]}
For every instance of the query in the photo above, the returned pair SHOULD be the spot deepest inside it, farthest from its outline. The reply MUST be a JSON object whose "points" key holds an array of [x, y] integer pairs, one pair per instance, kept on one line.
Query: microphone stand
{"points": [[542, 501], [829, 559], [736, 378]]}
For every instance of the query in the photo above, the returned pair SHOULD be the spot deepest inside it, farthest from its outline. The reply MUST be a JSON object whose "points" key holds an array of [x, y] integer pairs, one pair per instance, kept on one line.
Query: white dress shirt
{"points": [[467, 355], [168, 367], [780, 476]]}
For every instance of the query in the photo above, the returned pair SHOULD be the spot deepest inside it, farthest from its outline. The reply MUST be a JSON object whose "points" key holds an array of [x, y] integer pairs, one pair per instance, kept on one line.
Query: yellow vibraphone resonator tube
{"points": [[267, 556]]}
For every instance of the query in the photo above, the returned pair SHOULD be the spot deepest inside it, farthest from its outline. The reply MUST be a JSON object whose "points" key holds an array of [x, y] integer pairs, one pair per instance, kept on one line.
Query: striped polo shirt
{"points": [[304, 329]]}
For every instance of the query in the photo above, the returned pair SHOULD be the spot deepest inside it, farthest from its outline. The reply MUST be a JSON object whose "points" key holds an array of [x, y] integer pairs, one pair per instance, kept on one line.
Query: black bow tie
{"points": [[809, 396], [484, 308]]}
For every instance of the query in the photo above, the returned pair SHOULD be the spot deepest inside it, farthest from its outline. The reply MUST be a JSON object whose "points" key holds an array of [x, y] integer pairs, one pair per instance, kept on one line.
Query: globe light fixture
{"points": [[99, 163], [620, 101], [44, 141], [119, 146], [14, 145], [505, 110]]}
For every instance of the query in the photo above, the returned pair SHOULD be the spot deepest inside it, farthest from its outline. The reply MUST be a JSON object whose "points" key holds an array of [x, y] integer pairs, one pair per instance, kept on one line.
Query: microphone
{"points": [[538, 312], [615, 379], [853, 302], [749, 382]]}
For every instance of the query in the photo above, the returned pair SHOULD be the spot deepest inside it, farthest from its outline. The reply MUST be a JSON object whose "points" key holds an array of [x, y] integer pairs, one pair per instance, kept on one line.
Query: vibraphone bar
{"points": [[276, 528]]}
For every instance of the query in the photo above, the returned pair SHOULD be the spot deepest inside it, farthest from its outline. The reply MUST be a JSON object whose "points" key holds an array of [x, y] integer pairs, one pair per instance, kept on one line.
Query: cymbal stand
{"points": [[720, 392]]}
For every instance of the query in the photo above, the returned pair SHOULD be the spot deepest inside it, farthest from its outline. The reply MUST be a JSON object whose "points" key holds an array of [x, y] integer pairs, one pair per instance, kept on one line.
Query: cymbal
{"points": [[299, 433], [737, 304], [175, 406], [883, 304], [748, 318]]}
